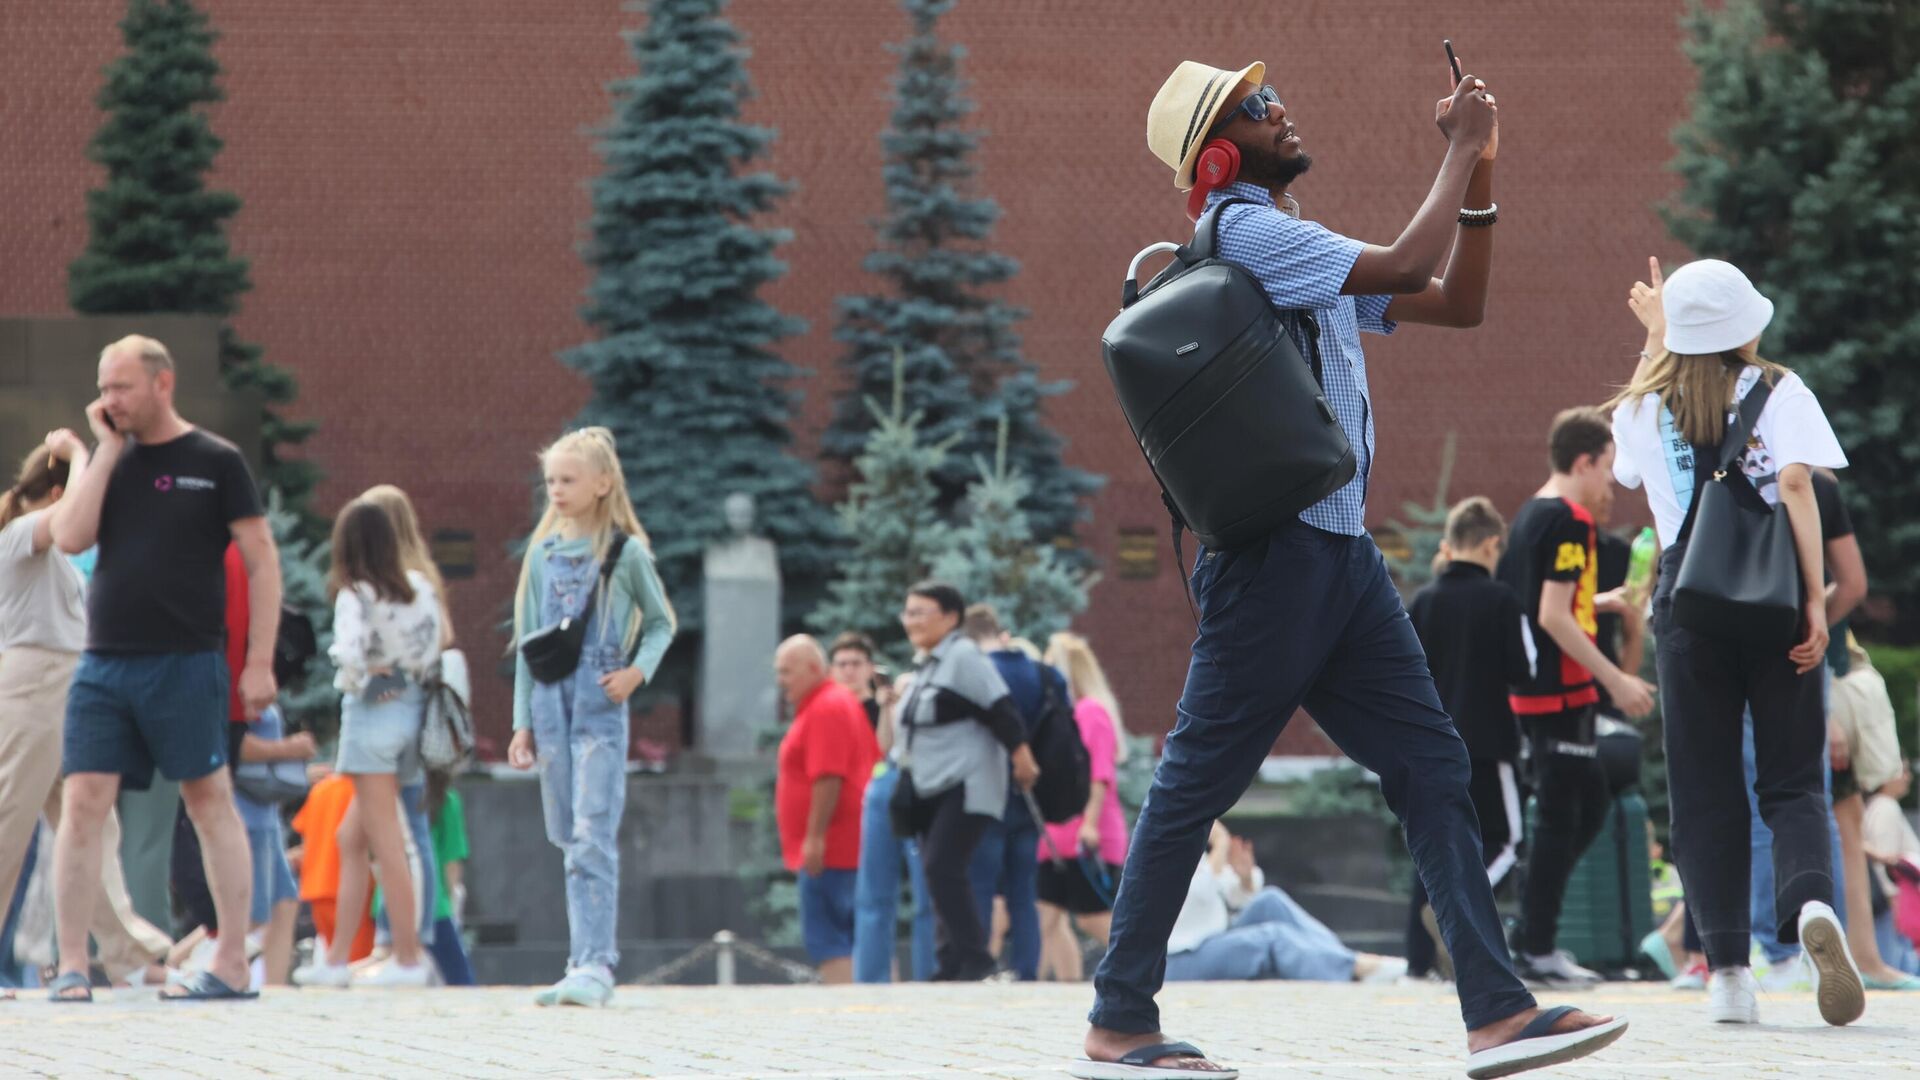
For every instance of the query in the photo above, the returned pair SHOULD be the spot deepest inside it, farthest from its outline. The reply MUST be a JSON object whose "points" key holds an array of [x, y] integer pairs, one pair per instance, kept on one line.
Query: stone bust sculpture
{"points": [[742, 555]]}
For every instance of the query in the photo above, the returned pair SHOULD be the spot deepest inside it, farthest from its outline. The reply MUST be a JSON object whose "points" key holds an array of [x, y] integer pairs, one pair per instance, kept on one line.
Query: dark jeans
{"points": [[1570, 808], [1705, 686], [1305, 618], [450, 954], [1006, 864], [1495, 789], [946, 849]]}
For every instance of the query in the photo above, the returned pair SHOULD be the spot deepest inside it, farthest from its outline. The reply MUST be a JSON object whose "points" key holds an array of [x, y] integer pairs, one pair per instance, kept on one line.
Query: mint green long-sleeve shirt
{"points": [[635, 592]]}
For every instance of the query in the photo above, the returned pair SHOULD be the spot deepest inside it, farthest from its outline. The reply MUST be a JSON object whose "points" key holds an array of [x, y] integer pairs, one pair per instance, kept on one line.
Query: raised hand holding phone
{"points": [[104, 431]]}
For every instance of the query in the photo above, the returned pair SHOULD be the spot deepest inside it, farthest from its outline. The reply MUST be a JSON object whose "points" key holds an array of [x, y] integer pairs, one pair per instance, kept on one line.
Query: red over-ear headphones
{"points": [[1217, 166]]}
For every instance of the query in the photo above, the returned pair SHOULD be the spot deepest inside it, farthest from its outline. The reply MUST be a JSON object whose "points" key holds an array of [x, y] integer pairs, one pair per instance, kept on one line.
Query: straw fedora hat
{"points": [[1184, 111]]}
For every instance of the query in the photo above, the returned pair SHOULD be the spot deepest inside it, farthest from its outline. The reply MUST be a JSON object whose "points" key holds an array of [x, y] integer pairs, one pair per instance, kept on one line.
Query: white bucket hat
{"points": [[1185, 108], [1711, 307]]}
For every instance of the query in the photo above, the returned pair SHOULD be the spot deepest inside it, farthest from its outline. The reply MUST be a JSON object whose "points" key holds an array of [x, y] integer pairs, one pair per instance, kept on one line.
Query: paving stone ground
{"points": [[817, 1033]]}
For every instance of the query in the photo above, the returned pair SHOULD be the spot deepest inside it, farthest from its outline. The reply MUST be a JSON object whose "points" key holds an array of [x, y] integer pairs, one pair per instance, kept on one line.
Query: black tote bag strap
{"points": [[1708, 468]]}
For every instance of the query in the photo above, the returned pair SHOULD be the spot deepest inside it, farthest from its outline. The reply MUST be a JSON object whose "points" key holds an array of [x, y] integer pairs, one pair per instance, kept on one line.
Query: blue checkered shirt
{"points": [[1303, 265]]}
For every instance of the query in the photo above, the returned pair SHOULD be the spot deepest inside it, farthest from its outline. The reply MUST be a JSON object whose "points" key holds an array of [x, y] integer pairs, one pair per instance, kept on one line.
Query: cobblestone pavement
{"points": [[816, 1033]]}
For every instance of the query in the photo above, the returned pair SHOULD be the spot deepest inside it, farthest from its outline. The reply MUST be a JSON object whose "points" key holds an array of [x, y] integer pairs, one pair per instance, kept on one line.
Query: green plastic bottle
{"points": [[1646, 547]]}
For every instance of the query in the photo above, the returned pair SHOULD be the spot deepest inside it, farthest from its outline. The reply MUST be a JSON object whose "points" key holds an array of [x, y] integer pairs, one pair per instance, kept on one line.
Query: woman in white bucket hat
{"points": [[1701, 361]]}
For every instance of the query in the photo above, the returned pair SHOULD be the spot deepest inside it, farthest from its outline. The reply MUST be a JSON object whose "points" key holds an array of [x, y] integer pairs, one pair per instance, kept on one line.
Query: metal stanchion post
{"points": [[723, 958]]}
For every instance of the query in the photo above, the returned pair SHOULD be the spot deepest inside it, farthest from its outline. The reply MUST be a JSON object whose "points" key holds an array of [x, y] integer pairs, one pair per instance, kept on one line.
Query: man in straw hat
{"points": [[1309, 616]]}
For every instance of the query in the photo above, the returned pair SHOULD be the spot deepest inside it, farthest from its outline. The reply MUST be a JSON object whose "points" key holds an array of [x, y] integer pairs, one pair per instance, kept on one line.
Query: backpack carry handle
{"points": [[1131, 290]]}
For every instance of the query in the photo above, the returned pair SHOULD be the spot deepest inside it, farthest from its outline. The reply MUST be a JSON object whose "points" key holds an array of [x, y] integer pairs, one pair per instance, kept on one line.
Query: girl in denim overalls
{"points": [[575, 730]]}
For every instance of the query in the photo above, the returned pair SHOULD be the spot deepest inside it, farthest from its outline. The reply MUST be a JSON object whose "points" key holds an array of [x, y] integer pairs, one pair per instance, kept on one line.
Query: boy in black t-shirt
{"points": [[1469, 626], [1553, 567]]}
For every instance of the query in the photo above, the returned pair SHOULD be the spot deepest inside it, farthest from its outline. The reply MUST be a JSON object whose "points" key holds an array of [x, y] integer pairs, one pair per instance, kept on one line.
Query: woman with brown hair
{"points": [[416, 558], [386, 636], [1700, 372]]}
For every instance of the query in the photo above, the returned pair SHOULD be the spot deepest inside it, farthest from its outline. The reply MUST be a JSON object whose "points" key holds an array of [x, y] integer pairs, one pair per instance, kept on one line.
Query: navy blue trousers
{"points": [[1305, 618]]}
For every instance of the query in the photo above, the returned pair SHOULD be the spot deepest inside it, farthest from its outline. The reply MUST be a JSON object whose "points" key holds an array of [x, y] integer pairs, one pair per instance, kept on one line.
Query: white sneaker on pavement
{"points": [[1386, 971], [1787, 977], [1733, 996], [321, 973], [394, 975], [1836, 978], [1556, 969]]}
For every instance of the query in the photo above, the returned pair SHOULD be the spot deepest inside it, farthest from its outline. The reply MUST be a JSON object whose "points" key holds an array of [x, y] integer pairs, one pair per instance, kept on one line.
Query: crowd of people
{"points": [[987, 776], [1000, 888], [141, 633]]}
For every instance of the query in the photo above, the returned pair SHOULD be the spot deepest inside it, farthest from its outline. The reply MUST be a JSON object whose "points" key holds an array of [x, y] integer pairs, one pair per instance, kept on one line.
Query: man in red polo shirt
{"points": [[826, 759]]}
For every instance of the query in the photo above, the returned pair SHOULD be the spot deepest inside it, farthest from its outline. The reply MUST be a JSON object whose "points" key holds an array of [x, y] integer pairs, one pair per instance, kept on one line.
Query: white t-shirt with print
{"points": [[1792, 430]]}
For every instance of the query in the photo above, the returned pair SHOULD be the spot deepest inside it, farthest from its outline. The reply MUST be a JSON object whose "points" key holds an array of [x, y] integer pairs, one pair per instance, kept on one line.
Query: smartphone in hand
{"points": [[1452, 61]]}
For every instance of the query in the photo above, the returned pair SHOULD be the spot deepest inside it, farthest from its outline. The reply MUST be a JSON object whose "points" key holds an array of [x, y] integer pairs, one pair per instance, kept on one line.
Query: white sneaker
{"points": [[395, 975], [1733, 996], [1836, 978], [1787, 977], [1556, 969], [321, 973]]}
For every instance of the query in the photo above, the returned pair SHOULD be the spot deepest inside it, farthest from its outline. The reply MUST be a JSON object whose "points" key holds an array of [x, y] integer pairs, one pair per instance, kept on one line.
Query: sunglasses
{"points": [[1256, 106]]}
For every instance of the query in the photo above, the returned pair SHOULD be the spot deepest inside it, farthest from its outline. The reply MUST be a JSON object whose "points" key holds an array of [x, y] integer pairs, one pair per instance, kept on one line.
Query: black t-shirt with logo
{"points": [[1552, 540], [160, 585]]}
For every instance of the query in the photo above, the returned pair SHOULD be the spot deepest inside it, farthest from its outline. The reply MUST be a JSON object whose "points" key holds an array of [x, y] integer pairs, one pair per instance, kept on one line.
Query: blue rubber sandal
{"points": [[72, 980], [1537, 1046], [205, 986], [1139, 1065]]}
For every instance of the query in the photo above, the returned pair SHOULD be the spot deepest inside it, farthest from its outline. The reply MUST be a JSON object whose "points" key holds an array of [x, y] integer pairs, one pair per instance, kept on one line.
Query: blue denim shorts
{"points": [[826, 914], [382, 737], [129, 713], [272, 877]]}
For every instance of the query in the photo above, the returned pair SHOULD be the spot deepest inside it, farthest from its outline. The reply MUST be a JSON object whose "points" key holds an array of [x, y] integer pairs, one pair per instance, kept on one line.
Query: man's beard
{"points": [[1269, 169]]}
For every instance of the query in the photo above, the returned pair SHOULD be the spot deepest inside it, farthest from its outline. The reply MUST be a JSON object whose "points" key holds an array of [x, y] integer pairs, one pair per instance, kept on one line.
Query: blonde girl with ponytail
{"points": [[575, 730]]}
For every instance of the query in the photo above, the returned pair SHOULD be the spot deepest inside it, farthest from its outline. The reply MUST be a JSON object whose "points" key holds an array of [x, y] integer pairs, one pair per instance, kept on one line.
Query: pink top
{"points": [[1096, 731]]}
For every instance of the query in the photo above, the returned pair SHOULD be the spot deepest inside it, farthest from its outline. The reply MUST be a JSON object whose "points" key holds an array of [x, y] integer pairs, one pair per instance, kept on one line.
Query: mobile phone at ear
{"points": [[107, 417], [1452, 60]]}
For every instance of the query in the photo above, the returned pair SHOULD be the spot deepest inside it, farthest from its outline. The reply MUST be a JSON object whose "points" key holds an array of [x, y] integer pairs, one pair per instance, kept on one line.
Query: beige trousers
{"points": [[33, 709]]}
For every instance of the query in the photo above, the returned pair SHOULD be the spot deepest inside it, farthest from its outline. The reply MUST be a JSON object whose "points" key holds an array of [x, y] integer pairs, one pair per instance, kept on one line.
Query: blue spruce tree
{"points": [[683, 369], [157, 236], [892, 517], [995, 560], [964, 369]]}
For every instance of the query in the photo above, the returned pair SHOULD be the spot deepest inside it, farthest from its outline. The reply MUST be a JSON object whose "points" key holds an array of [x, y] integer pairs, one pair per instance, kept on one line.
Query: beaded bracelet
{"points": [[1480, 218]]}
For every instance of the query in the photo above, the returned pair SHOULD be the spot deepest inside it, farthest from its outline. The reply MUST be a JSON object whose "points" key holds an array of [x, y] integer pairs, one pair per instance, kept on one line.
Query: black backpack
{"points": [[1066, 773], [293, 648], [1231, 419]]}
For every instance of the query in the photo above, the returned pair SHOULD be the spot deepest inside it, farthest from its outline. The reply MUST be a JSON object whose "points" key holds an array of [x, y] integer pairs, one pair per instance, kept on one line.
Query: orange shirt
{"points": [[317, 821]]}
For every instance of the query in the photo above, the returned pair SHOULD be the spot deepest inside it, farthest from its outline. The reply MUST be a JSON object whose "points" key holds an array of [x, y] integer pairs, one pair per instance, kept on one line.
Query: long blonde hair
{"points": [[594, 448], [1697, 389], [1087, 679], [414, 554]]}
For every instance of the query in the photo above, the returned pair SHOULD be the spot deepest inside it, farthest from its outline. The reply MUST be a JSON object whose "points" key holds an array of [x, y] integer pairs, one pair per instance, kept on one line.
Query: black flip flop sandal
{"points": [[1139, 1065]]}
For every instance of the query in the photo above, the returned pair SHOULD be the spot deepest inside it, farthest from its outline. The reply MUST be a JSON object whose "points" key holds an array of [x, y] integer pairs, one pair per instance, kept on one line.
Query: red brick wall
{"points": [[415, 185]]}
